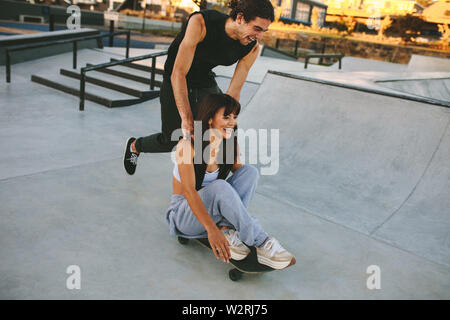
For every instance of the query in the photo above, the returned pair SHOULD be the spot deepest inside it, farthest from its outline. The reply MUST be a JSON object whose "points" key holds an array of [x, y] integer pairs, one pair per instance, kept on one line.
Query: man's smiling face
{"points": [[252, 30]]}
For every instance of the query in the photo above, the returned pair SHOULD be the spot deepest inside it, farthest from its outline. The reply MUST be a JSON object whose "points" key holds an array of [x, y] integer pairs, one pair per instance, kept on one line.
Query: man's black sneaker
{"points": [[130, 158]]}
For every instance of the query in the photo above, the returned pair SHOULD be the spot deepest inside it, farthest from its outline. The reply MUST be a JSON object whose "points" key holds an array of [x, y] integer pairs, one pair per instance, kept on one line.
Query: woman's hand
{"points": [[219, 244]]}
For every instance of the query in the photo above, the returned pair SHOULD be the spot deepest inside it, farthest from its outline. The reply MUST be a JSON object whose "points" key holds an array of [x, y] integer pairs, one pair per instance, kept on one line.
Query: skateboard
{"points": [[248, 265]]}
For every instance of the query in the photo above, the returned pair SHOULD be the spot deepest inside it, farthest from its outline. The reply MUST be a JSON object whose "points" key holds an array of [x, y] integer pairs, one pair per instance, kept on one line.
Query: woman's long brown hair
{"points": [[207, 109]]}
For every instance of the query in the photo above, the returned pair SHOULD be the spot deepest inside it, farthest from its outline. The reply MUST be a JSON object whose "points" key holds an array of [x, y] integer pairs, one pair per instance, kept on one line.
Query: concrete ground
{"points": [[363, 180]]}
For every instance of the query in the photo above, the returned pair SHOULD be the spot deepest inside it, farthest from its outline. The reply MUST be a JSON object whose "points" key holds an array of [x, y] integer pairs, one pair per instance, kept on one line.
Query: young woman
{"points": [[205, 204]]}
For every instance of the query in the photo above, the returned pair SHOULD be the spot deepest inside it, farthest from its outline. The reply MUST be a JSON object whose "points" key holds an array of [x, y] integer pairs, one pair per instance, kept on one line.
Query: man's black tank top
{"points": [[217, 48]]}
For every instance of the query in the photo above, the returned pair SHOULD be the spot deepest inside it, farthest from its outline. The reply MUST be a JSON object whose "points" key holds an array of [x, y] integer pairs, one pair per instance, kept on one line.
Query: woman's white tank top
{"points": [[209, 176]]}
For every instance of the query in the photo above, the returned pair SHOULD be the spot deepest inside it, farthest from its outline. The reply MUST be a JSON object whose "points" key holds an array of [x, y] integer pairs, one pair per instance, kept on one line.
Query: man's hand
{"points": [[219, 244]]}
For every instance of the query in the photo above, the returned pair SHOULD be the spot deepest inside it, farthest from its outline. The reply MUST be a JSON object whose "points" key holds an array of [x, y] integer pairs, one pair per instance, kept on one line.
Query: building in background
{"points": [[365, 9], [300, 11], [438, 12]]}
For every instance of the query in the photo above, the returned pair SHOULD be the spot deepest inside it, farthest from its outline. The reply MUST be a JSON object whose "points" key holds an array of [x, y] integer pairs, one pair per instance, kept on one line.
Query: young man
{"points": [[209, 39]]}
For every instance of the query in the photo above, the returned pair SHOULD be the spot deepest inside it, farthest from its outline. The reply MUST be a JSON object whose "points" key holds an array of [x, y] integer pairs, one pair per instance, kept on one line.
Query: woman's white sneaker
{"points": [[272, 254], [238, 250]]}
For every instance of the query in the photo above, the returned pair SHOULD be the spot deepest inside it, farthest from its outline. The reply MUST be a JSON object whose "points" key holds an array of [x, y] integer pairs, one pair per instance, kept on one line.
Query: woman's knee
{"points": [[219, 185], [251, 172], [221, 188]]}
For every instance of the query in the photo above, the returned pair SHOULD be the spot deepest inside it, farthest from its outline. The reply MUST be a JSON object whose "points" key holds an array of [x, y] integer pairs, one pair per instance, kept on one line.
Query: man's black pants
{"points": [[170, 118]]}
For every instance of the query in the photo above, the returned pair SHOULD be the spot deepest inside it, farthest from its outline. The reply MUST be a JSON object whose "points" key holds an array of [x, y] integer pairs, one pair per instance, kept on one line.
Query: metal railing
{"points": [[51, 25], [51, 20], [339, 56], [75, 41], [153, 56]]}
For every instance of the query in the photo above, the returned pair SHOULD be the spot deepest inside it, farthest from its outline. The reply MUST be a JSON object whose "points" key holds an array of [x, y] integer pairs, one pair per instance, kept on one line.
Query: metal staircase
{"points": [[115, 86]]}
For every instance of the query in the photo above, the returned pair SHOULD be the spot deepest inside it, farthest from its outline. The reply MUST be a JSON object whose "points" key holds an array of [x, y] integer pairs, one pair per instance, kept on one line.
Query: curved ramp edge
{"points": [[422, 224], [348, 156]]}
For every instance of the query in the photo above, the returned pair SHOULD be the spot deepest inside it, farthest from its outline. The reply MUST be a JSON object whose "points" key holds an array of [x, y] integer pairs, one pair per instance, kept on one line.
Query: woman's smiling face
{"points": [[223, 124]]}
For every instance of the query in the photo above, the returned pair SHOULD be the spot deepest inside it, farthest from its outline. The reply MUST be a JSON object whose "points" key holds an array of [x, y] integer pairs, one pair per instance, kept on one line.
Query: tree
{"points": [[384, 25], [445, 32], [349, 22], [406, 27]]}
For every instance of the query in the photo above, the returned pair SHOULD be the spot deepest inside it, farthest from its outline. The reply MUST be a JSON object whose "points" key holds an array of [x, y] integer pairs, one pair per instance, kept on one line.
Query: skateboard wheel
{"points": [[235, 274], [183, 240]]}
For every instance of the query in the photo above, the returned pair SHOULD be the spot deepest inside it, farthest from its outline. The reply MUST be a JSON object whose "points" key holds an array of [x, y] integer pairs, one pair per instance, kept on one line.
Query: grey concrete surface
{"points": [[429, 64], [433, 88], [362, 181], [421, 224]]}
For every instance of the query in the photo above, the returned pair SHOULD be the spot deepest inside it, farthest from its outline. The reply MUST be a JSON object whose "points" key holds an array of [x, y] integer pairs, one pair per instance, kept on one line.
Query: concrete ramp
{"points": [[373, 163], [422, 224], [427, 87], [438, 89]]}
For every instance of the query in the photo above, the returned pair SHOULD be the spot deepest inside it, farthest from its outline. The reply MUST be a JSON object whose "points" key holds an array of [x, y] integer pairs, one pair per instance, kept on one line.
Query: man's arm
{"points": [[241, 72], [195, 33]]}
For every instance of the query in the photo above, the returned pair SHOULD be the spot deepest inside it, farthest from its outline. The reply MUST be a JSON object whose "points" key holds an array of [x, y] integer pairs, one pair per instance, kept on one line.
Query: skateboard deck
{"points": [[248, 265]]}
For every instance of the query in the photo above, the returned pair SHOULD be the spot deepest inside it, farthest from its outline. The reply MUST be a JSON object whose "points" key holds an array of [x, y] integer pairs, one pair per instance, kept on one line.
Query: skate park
{"points": [[363, 180]]}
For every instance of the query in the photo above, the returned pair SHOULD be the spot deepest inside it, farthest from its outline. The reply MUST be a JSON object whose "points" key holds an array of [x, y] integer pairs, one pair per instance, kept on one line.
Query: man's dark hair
{"points": [[252, 9]]}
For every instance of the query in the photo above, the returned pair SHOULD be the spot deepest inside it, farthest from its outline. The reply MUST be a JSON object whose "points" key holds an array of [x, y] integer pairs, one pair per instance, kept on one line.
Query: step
{"points": [[147, 67], [121, 73], [143, 73], [138, 72], [98, 94], [120, 78], [98, 79]]}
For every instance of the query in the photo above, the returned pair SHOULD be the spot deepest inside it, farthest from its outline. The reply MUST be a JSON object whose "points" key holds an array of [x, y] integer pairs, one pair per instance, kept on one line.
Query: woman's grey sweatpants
{"points": [[226, 202]]}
